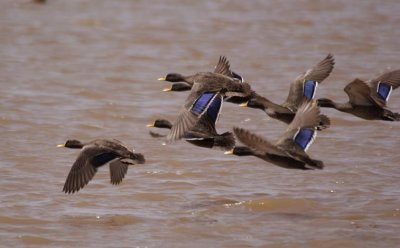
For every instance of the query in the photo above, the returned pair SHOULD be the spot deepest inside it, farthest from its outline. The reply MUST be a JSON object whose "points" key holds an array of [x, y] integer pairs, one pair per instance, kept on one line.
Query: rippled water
{"points": [[89, 69]]}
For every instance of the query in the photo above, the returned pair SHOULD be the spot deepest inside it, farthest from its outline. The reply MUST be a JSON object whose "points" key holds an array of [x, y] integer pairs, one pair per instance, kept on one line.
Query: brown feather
{"points": [[223, 67], [359, 93], [317, 73]]}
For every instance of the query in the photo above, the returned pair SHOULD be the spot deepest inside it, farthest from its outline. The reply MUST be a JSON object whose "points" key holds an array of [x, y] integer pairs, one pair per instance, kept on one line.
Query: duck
{"points": [[206, 96], [185, 83], [196, 125], [290, 150], [159, 123], [95, 154], [303, 87], [203, 137], [368, 100]]}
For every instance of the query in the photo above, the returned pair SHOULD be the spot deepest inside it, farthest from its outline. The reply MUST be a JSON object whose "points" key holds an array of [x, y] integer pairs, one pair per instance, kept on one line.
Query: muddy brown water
{"points": [[89, 69]]}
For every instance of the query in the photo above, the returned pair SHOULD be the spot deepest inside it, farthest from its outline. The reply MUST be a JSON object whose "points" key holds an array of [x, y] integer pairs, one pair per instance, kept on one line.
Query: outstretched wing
{"points": [[307, 116], [359, 93], [301, 131], [185, 121], [223, 67], [208, 103], [205, 126], [85, 167], [382, 86], [118, 170], [305, 85]]}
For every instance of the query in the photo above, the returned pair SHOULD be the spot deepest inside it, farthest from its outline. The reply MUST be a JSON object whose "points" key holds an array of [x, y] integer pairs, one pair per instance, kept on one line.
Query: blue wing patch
{"points": [[384, 90], [304, 137], [309, 88], [210, 102], [214, 108], [102, 158], [202, 103], [238, 77]]}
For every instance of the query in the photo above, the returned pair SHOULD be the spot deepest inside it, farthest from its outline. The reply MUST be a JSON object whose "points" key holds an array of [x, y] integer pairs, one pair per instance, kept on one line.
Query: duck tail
{"points": [[390, 116], [316, 164], [396, 116], [225, 141], [324, 123], [138, 158]]}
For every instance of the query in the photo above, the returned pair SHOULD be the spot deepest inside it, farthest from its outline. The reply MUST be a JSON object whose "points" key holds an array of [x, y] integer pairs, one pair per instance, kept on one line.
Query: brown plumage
{"points": [[205, 82], [318, 73], [185, 83], [368, 100], [290, 150], [97, 153], [203, 134], [286, 111]]}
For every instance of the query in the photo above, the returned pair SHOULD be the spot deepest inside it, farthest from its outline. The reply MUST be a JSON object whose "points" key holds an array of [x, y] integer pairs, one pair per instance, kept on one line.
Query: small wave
{"points": [[35, 240], [276, 205], [122, 220], [21, 220], [152, 197], [113, 220]]}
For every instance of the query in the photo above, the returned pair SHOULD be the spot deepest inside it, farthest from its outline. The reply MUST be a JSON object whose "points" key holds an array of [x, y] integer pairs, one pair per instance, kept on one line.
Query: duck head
{"points": [[75, 144], [240, 151], [161, 123], [173, 77]]}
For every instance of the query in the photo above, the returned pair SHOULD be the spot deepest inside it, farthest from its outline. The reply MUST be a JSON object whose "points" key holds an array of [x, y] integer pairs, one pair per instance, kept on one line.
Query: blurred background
{"points": [[88, 69]]}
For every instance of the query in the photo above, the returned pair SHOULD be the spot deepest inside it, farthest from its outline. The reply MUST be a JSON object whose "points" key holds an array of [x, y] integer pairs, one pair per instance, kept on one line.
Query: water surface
{"points": [[89, 69]]}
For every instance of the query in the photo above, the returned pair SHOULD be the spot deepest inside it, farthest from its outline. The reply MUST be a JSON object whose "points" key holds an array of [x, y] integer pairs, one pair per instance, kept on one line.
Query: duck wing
{"points": [[205, 127], [359, 93], [382, 86], [85, 167], [118, 170], [208, 104], [305, 85], [257, 142], [223, 67], [301, 132]]}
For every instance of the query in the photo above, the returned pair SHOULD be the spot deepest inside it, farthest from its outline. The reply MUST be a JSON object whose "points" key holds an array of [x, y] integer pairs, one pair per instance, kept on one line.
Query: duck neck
{"points": [[188, 79], [327, 103], [258, 102]]}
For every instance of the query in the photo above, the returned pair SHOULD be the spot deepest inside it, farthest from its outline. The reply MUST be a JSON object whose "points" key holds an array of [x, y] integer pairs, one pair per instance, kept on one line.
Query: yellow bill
{"points": [[167, 89], [244, 104], [229, 152]]}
